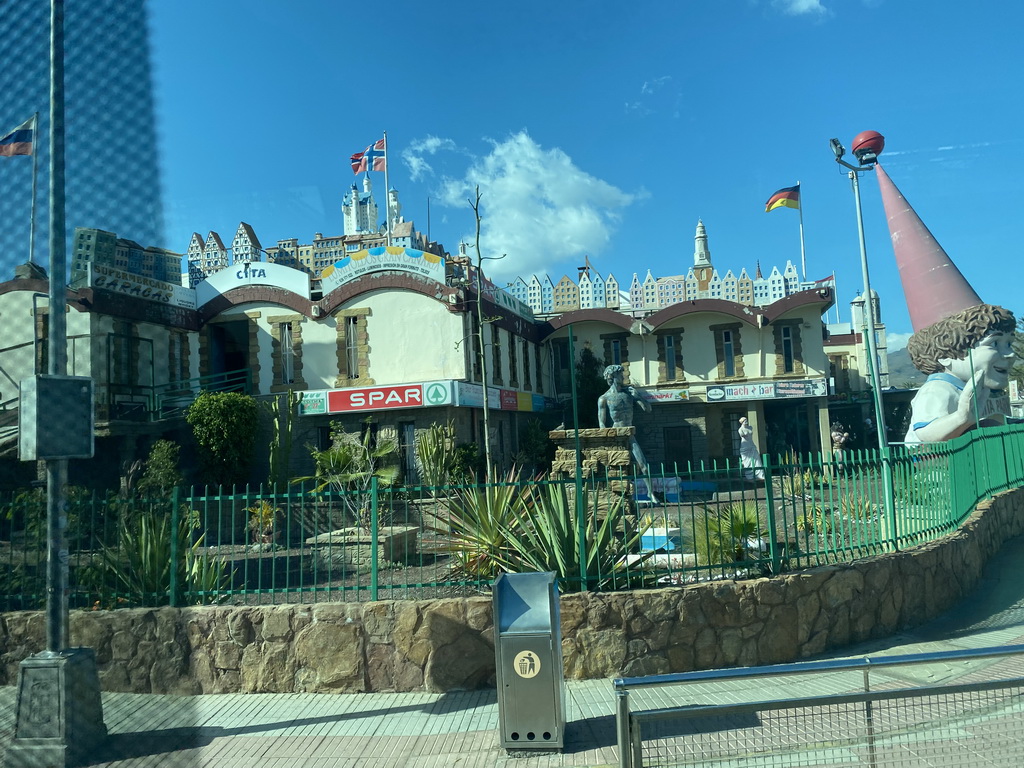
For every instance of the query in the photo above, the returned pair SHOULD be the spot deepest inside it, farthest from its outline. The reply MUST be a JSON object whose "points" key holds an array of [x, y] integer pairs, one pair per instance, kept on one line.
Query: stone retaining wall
{"points": [[440, 645]]}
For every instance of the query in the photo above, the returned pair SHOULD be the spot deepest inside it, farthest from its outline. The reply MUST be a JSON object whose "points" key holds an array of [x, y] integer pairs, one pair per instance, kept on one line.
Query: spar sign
{"points": [[420, 395]]}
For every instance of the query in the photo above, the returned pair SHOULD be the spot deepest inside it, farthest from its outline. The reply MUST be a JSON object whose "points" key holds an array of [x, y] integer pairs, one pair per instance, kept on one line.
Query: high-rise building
{"points": [[112, 170]]}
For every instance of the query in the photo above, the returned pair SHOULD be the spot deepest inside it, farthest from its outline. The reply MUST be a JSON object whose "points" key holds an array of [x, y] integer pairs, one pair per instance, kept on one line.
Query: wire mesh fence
{"points": [[363, 540], [976, 717]]}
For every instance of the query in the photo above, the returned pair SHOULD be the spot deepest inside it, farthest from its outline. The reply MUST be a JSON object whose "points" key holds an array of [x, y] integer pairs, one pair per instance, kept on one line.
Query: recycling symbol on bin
{"points": [[526, 664]]}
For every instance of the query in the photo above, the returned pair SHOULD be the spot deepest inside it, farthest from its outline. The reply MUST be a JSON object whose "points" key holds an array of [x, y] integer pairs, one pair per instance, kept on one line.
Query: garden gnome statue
{"points": [[615, 409], [963, 344]]}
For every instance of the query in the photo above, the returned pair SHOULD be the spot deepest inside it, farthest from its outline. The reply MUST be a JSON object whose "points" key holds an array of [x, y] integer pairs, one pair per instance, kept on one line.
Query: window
{"points": [[728, 353], [787, 350], [353, 348], [670, 357], [476, 351], [728, 350], [540, 370], [513, 362], [526, 365], [287, 355], [496, 354], [787, 347]]}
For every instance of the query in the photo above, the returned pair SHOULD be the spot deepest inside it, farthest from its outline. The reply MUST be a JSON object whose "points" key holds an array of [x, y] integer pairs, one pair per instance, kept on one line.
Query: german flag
{"points": [[787, 197]]}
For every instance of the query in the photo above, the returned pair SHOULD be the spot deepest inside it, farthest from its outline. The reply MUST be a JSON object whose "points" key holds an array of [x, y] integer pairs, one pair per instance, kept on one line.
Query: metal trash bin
{"points": [[528, 658]]}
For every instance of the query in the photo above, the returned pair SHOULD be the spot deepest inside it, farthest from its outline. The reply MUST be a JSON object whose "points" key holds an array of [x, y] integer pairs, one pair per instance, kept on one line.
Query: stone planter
{"points": [[354, 546]]}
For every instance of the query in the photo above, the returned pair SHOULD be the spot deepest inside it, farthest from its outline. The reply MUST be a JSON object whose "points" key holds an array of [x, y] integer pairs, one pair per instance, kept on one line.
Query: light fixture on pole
{"points": [[867, 145]]}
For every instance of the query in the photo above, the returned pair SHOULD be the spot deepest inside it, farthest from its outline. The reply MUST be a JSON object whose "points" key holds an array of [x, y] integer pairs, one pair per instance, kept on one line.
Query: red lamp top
{"points": [[868, 141]]}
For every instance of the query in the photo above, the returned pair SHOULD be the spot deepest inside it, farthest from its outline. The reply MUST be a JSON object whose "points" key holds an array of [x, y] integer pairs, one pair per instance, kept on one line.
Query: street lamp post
{"points": [[866, 148]]}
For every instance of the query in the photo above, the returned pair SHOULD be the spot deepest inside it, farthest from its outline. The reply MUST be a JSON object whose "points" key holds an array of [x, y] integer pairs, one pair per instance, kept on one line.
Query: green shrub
{"points": [[225, 425], [161, 473]]}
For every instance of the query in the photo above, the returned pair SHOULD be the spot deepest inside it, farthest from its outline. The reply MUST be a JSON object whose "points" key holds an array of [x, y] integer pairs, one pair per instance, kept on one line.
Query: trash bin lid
{"points": [[523, 601]]}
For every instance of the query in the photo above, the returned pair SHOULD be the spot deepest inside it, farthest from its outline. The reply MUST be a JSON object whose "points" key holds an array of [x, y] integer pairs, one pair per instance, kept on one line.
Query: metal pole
{"points": [[622, 728], [56, 469], [876, 382], [580, 522]]}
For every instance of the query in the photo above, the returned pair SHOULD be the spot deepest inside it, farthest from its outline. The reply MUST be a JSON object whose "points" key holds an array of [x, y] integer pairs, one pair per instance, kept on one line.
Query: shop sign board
{"points": [[768, 390]]}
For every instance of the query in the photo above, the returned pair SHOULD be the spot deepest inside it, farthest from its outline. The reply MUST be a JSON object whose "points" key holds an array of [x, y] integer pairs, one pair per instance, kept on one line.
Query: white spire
{"points": [[701, 254]]}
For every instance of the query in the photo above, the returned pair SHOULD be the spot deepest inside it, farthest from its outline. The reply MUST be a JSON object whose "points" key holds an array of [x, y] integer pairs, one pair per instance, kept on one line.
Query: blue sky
{"points": [[601, 128]]}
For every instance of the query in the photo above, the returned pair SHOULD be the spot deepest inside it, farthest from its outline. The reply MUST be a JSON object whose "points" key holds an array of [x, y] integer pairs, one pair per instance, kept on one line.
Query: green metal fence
{"points": [[258, 545]]}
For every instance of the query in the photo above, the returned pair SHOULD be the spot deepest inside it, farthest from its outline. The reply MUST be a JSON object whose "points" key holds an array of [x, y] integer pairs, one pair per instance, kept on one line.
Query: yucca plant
{"points": [[140, 567], [474, 528], [545, 536]]}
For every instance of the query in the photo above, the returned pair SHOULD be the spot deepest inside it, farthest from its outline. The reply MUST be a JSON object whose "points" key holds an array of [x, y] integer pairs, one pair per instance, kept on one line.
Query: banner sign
{"points": [[472, 396], [665, 395], [382, 259], [509, 400], [128, 284], [768, 390]]}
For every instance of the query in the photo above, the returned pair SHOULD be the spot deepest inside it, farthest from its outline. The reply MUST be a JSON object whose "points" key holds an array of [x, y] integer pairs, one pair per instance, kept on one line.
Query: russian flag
{"points": [[18, 141]]}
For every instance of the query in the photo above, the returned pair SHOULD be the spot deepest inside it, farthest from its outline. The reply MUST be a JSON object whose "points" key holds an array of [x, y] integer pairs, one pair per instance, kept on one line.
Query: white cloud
{"points": [[800, 7], [897, 341], [413, 158], [537, 207]]}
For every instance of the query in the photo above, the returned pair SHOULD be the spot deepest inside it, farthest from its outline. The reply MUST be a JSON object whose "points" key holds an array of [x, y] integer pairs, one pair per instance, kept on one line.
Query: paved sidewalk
{"points": [[413, 730]]}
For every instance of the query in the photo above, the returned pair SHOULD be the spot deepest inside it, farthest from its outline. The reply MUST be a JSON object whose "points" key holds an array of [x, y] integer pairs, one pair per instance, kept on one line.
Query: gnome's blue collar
{"points": [[949, 378]]}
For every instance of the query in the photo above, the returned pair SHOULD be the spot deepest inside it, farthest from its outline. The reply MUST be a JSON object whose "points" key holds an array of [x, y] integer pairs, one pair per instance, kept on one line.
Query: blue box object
{"points": [[654, 539]]}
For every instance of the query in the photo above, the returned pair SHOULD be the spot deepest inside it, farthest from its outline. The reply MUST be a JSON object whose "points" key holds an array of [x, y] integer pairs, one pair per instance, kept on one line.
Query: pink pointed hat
{"points": [[932, 284]]}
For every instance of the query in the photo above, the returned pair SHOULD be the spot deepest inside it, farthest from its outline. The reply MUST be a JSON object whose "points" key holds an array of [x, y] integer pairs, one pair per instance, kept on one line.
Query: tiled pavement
{"points": [[414, 730]]}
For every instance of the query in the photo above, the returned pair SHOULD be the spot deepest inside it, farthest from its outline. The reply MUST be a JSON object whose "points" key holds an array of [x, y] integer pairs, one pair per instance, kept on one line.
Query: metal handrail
{"points": [[809, 667], [628, 723]]}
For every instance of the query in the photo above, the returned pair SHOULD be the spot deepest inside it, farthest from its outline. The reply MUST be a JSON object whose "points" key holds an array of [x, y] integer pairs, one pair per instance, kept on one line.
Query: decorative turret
{"points": [[701, 253]]}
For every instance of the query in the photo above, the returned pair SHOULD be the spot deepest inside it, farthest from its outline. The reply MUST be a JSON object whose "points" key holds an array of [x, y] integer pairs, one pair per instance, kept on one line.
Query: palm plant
{"points": [[726, 534], [350, 466]]}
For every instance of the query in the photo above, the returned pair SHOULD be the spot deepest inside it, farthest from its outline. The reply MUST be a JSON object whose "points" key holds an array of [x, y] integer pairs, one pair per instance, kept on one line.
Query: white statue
{"points": [[750, 456]]}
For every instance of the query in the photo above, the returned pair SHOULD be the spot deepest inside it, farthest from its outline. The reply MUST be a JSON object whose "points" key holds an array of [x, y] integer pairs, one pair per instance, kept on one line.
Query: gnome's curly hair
{"points": [[952, 337]]}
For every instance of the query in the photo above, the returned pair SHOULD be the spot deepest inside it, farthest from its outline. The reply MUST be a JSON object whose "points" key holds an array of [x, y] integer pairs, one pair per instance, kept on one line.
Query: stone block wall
{"points": [[441, 645]]}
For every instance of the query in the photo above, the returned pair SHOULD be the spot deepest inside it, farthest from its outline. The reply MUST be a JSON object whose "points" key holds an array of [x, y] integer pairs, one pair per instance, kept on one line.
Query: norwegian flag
{"points": [[373, 158]]}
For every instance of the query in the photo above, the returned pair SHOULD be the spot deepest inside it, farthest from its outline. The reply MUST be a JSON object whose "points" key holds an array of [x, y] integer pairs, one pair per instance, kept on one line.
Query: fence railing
{"points": [[857, 711], [363, 541]]}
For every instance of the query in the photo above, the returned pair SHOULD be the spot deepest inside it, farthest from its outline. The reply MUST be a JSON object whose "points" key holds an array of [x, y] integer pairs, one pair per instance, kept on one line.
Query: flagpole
{"points": [[387, 188], [835, 292], [35, 175], [803, 253]]}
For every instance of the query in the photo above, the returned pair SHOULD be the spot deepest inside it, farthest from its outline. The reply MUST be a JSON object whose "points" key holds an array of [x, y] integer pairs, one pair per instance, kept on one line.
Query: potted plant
{"points": [[262, 525]]}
